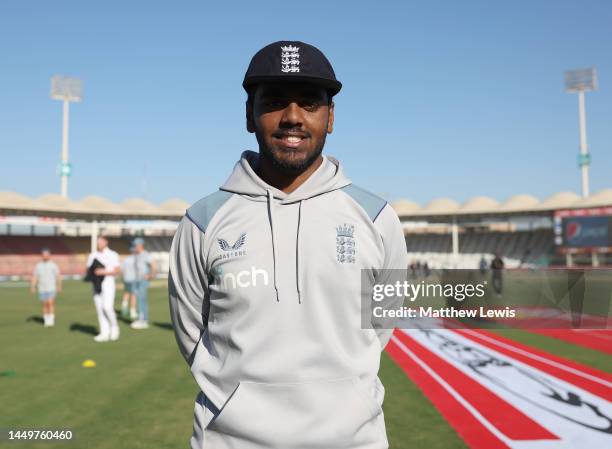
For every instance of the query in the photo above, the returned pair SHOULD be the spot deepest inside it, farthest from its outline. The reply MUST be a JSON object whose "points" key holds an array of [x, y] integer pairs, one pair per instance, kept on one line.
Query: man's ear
{"points": [[250, 121], [330, 118]]}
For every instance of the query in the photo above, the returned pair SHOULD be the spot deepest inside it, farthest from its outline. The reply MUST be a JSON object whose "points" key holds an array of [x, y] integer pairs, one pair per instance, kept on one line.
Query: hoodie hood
{"points": [[244, 181]]}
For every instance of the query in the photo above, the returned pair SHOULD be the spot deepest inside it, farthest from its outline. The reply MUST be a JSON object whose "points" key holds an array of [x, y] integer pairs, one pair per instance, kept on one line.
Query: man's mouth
{"points": [[291, 140]]}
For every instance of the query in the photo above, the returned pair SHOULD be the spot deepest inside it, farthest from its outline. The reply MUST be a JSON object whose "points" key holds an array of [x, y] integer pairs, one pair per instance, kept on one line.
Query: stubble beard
{"points": [[286, 166]]}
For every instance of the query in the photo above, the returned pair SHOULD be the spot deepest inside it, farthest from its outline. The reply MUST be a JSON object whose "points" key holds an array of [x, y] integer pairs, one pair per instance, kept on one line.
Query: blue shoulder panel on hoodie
{"points": [[203, 210], [371, 203]]}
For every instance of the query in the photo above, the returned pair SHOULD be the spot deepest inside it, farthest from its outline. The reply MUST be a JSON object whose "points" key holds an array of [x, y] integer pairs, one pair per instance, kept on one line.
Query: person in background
{"points": [[482, 265], [144, 271], [128, 272], [497, 266], [109, 267], [48, 281]]}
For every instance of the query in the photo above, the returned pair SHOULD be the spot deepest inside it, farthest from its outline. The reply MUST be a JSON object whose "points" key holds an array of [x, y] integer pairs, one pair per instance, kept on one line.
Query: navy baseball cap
{"points": [[291, 61]]}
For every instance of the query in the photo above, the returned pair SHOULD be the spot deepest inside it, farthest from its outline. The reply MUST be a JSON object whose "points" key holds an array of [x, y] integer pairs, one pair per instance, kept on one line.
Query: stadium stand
{"points": [[520, 247], [158, 243], [521, 229]]}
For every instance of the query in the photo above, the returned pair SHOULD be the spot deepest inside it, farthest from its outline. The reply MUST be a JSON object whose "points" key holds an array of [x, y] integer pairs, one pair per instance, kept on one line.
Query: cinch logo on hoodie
{"points": [[241, 279]]}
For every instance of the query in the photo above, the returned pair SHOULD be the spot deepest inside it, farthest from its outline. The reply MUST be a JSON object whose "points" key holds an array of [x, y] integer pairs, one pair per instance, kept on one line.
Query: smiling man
{"points": [[265, 277]]}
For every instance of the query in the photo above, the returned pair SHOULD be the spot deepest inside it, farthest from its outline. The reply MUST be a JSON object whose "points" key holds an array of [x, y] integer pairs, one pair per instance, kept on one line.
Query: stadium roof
{"points": [[90, 208], [444, 208], [99, 208]]}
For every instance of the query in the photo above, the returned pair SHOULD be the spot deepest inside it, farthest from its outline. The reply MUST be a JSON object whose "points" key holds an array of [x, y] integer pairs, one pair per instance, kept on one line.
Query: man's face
{"points": [[290, 122], [46, 255], [102, 243]]}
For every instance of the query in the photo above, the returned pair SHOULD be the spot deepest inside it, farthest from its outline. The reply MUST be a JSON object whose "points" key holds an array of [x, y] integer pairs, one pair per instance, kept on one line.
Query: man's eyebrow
{"points": [[312, 93]]}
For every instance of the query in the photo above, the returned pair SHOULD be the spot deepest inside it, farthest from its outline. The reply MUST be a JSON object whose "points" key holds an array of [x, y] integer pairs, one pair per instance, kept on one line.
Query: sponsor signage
{"points": [[584, 229]]}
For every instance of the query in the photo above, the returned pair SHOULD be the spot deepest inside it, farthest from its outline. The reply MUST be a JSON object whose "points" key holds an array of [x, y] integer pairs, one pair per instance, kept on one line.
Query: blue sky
{"points": [[440, 98]]}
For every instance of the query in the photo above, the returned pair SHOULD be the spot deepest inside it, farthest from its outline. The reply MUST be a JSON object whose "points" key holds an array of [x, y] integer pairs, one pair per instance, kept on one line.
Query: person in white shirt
{"points": [[47, 281], [107, 319]]}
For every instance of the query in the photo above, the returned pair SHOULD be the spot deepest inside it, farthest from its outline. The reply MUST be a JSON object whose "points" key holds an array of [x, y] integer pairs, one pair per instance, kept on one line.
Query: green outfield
{"points": [[140, 394]]}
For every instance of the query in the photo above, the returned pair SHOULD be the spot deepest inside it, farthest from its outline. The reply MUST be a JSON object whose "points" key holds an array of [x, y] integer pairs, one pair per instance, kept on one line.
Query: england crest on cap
{"points": [[290, 59]]}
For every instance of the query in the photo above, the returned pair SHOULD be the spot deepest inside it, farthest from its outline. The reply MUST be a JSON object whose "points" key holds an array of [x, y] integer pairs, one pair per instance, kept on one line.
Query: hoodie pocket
{"points": [[333, 414]]}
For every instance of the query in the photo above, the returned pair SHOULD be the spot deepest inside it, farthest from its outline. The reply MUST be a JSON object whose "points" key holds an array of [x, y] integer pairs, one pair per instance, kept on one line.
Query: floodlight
{"points": [[66, 88], [580, 80]]}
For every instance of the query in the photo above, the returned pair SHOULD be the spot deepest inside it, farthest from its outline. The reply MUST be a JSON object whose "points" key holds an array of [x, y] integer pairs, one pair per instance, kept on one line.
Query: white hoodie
{"points": [[266, 301]]}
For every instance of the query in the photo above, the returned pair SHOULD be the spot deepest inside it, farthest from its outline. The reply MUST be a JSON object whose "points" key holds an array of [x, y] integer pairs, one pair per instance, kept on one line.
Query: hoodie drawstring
{"points": [[297, 247], [271, 217], [297, 255]]}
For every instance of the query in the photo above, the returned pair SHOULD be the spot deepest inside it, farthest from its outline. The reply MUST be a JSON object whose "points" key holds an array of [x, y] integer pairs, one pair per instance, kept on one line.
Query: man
{"points": [[144, 271], [497, 267], [128, 273], [48, 281], [482, 265], [109, 267], [265, 275]]}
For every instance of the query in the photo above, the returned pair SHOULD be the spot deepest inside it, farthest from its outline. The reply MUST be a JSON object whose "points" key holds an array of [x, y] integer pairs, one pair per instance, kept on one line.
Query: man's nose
{"points": [[292, 114]]}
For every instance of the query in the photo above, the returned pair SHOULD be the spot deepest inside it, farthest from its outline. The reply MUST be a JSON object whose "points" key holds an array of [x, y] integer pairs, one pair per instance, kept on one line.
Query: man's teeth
{"points": [[293, 139]]}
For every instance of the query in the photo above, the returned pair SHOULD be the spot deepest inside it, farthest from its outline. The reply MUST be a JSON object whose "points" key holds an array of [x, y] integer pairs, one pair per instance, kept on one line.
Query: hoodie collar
{"points": [[243, 180]]}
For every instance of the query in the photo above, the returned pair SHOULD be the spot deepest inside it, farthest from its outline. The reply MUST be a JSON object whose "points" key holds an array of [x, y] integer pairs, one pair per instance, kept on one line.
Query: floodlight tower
{"points": [[66, 89], [580, 81]]}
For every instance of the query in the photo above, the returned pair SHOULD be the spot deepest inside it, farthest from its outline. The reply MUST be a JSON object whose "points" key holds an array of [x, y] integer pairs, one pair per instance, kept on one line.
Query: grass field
{"points": [[140, 394]]}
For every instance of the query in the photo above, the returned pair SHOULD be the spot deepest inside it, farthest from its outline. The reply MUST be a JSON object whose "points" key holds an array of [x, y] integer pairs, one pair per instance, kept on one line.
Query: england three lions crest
{"points": [[345, 243], [290, 59]]}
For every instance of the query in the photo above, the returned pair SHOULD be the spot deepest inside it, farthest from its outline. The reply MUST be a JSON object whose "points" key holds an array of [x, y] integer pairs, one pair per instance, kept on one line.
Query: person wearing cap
{"points": [[144, 271], [47, 280], [128, 274], [107, 266], [265, 277]]}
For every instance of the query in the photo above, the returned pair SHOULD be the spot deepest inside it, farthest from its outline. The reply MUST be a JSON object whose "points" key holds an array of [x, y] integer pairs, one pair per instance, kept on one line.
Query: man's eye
{"points": [[274, 103], [309, 105]]}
